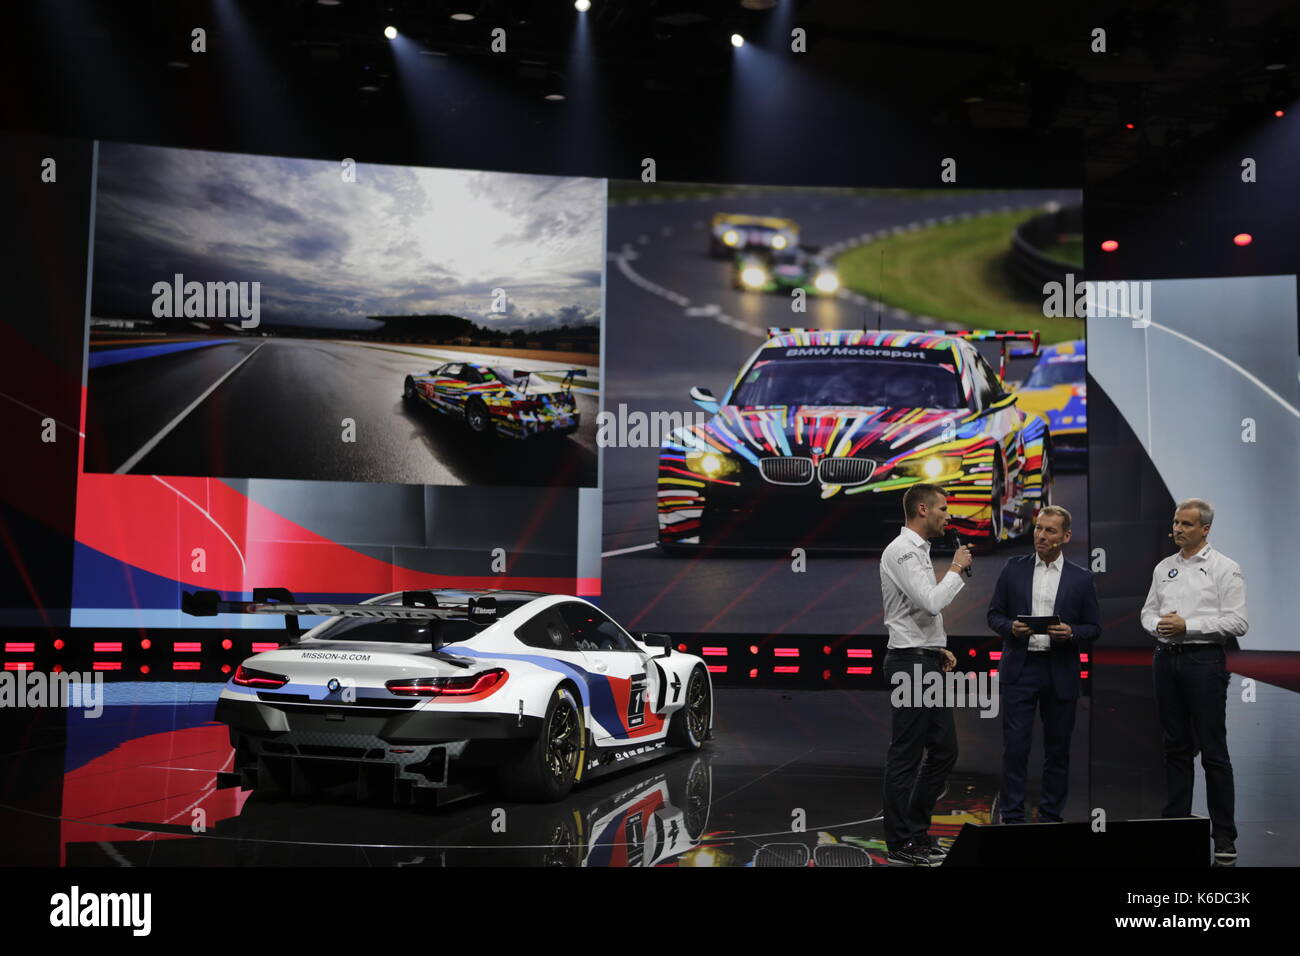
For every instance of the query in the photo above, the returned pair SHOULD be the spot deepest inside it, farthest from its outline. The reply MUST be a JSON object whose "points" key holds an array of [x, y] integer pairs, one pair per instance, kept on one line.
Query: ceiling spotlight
{"points": [[973, 99], [462, 17], [328, 3], [178, 65], [1243, 239], [1276, 66], [390, 32], [1110, 245], [737, 40], [1279, 113], [582, 6], [554, 97]]}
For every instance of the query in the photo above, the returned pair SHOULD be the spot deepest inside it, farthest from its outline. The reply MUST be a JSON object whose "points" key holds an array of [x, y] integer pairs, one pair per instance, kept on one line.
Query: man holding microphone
{"points": [[923, 740], [1039, 673], [1196, 603]]}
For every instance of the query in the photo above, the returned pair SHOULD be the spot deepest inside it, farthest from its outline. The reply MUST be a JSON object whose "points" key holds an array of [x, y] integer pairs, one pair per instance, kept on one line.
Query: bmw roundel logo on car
{"points": [[333, 685]]}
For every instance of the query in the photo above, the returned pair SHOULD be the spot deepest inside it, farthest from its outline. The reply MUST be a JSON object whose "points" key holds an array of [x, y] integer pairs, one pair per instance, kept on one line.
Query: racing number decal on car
{"points": [[636, 702]]}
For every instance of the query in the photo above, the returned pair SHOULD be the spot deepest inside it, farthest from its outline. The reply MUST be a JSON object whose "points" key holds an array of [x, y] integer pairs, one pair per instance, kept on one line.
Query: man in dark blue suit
{"points": [[1040, 672]]}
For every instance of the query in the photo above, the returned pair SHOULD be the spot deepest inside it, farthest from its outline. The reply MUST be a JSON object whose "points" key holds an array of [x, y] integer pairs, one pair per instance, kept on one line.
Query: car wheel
{"points": [[545, 770], [477, 418], [690, 725], [699, 798], [408, 391]]}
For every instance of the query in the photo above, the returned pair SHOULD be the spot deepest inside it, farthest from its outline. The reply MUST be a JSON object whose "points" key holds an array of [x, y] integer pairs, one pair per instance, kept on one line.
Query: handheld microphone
{"points": [[968, 570]]}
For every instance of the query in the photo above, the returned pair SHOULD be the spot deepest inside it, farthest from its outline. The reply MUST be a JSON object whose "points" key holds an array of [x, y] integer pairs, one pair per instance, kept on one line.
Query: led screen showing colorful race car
{"points": [[263, 317], [823, 432], [909, 324]]}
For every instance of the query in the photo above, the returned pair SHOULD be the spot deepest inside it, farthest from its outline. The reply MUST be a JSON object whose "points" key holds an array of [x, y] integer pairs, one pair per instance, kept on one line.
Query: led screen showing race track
{"points": [[751, 479], [334, 378]]}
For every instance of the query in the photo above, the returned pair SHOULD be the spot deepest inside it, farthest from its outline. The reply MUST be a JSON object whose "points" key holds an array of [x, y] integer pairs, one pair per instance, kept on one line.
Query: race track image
{"points": [[247, 407], [677, 321]]}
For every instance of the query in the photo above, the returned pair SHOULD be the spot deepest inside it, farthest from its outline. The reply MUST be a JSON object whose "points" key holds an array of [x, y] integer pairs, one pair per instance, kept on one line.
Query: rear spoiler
{"points": [[566, 384], [415, 606], [1004, 339]]}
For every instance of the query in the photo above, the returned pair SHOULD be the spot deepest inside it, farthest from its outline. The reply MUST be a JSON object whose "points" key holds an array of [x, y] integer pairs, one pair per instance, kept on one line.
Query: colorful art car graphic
{"points": [[1057, 390], [498, 401], [823, 431]]}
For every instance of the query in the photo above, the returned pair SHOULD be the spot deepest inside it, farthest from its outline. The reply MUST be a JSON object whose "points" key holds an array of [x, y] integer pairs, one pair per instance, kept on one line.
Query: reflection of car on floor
{"points": [[823, 430], [784, 271], [498, 401], [419, 691], [1057, 390], [731, 232]]}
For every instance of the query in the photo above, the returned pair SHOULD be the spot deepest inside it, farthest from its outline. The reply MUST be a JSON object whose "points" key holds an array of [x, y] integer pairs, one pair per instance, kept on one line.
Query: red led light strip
{"points": [[786, 669], [187, 647], [185, 665], [713, 651], [20, 647], [108, 647], [107, 665], [260, 646], [857, 670], [717, 668], [859, 652], [786, 651], [18, 665]]}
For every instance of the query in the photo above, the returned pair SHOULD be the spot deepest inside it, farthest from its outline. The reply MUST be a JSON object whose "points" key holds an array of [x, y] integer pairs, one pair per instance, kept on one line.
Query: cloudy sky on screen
{"points": [[399, 241]]}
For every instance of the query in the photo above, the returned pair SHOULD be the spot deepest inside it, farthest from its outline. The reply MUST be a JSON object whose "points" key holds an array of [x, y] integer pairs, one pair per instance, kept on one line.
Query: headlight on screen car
{"points": [[779, 241], [730, 237], [753, 277], [710, 464], [826, 282], [930, 467]]}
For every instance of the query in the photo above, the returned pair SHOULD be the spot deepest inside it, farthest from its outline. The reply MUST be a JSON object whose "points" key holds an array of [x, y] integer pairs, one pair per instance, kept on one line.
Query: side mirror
{"points": [[704, 398], [652, 639]]}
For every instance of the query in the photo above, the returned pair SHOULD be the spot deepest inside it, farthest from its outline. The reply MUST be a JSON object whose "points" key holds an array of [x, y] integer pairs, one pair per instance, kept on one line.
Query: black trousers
{"points": [[1032, 693], [1191, 685], [922, 751]]}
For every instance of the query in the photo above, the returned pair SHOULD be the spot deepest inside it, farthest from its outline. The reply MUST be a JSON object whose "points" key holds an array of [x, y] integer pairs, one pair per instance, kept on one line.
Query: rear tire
{"points": [[477, 417], [690, 725], [408, 391], [545, 770]]}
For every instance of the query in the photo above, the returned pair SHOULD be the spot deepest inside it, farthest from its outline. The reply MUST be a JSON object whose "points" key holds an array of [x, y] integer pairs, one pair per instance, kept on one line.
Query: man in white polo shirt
{"points": [[923, 740], [1196, 603]]}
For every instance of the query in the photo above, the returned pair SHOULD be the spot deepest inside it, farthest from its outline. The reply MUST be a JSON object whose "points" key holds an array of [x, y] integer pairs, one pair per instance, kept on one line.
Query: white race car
{"points": [[430, 694]]}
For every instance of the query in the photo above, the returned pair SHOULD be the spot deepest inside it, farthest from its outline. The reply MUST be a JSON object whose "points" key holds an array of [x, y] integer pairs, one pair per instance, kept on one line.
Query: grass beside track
{"points": [[956, 272]]}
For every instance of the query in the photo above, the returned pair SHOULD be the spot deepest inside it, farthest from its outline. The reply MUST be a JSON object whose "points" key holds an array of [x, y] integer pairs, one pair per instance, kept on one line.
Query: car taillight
{"points": [[247, 677], [477, 684]]}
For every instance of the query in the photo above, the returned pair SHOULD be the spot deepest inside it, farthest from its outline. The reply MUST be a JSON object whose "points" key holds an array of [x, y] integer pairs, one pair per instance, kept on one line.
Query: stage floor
{"points": [[792, 778]]}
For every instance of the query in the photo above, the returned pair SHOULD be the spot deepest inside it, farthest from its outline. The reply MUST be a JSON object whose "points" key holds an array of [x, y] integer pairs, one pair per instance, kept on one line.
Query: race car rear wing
{"points": [[1004, 339], [566, 384], [415, 606]]}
